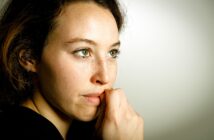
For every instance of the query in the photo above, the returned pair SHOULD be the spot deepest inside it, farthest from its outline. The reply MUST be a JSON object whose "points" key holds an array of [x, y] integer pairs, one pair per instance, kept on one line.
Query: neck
{"points": [[38, 104]]}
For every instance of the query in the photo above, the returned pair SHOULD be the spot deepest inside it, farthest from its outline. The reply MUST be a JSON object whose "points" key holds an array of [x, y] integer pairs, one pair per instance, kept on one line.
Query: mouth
{"points": [[93, 99]]}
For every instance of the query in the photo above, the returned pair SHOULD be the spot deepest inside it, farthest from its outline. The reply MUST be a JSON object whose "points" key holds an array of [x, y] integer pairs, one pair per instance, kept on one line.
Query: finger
{"points": [[114, 104], [117, 105], [116, 98]]}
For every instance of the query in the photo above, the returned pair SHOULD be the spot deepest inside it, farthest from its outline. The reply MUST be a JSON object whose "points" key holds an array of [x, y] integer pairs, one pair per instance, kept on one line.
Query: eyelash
{"points": [[84, 53], [114, 53], [80, 53]]}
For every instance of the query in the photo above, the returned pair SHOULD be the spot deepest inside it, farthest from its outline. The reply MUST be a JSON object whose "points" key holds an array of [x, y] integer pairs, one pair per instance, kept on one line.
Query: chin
{"points": [[87, 116]]}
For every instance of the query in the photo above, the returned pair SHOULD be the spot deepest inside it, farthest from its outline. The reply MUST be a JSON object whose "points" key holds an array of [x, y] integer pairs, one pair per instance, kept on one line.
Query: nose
{"points": [[102, 73]]}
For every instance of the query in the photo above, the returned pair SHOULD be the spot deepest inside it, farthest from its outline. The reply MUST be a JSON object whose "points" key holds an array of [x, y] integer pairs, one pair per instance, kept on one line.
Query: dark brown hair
{"points": [[25, 25]]}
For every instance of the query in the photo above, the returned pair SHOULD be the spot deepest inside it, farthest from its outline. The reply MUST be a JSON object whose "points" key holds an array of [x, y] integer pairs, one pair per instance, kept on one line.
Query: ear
{"points": [[27, 62]]}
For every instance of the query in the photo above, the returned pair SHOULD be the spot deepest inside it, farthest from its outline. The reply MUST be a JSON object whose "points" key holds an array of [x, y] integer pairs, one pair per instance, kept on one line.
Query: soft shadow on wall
{"points": [[166, 67]]}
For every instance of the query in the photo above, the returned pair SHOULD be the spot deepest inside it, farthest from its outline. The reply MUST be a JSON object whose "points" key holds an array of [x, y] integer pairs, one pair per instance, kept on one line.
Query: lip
{"points": [[93, 98]]}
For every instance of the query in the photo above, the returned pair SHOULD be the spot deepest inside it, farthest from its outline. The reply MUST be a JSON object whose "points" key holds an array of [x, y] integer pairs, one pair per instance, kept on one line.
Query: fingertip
{"points": [[108, 90]]}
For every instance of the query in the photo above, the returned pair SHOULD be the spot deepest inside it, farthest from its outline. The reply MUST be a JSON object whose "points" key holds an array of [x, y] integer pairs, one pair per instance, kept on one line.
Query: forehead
{"points": [[80, 12], [86, 20]]}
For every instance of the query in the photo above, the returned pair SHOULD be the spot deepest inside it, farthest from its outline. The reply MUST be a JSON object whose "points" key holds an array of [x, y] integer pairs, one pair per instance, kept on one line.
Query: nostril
{"points": [[100, 82]]}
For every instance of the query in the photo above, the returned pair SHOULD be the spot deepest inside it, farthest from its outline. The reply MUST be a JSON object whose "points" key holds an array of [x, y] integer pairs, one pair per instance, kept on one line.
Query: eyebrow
{"points": [[88, 41]]}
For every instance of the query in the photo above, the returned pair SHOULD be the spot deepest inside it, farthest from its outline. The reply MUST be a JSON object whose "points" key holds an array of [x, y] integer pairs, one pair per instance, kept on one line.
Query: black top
{"points": [[21, 123]]}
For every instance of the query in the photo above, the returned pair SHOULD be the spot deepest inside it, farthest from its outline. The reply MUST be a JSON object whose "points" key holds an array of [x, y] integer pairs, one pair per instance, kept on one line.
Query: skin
{"points": [[77, 70]]}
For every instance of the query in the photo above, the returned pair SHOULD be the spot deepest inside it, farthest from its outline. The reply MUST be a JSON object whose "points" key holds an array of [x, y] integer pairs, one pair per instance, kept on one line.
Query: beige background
{"points": [[167, 66]]}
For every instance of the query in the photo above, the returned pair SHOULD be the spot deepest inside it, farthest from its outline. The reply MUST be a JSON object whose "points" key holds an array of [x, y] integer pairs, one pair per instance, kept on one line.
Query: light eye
{"points": [[82, 53], [114, 53]]}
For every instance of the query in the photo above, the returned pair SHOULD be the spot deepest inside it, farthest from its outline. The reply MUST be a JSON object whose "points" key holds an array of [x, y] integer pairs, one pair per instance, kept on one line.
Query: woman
{"points": [[58, 66]]}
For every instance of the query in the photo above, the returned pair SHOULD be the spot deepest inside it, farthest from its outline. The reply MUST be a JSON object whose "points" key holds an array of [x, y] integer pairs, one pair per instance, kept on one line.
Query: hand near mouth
{"points": [[117, 120]]}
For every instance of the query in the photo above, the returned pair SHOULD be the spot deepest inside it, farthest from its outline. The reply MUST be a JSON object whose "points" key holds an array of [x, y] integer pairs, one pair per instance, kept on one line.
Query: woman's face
{"points": [[79, 61]]}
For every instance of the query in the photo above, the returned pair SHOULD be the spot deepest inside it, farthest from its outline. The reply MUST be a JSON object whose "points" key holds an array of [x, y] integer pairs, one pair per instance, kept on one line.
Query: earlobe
{"points": [[27, 62]]}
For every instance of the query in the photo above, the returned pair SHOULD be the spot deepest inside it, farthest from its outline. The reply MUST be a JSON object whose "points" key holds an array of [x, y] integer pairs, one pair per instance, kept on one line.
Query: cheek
{"points": [[113, 71], [64, 73], [114, 76], [62, 82]]}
